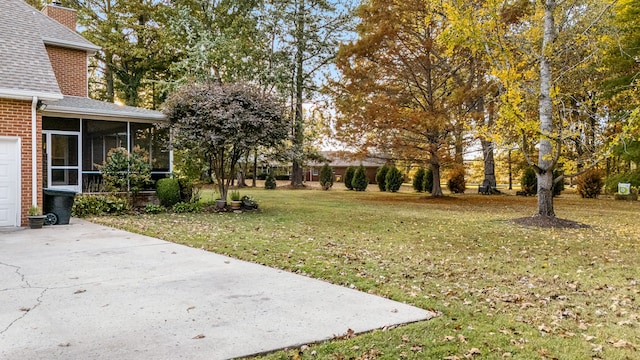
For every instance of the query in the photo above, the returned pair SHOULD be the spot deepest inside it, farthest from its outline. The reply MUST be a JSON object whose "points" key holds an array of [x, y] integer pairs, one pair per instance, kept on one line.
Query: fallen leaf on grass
{"points": [[462, 338], [472, 352], [348, 335], [449, 338], [545, 328], [623, 344]]}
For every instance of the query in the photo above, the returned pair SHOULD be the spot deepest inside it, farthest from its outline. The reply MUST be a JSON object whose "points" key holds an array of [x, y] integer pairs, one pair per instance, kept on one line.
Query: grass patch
{"points": [[503, 290]]}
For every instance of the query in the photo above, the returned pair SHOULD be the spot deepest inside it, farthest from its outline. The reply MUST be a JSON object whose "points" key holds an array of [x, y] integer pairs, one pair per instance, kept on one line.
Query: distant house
{"points": [[51, 133], [339, 162]]}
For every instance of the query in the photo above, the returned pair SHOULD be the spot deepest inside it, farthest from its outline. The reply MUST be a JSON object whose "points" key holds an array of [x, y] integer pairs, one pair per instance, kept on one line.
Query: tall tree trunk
{"points": [[489, 162], [459, 144], [255, 167], [298, 136], [436, 191], [108, 76], [545, 156], [487, 144]]}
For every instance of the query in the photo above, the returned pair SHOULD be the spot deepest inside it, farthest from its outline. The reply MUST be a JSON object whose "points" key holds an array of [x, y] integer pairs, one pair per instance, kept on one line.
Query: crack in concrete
{"points": [[25, 312], [28, 286], [17, 271]]}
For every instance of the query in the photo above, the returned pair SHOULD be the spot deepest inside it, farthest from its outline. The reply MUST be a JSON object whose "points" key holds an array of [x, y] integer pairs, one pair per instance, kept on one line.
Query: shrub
{"points": [[590, 184], [457, 184], [393, 179], [154, 209], [360, 182], [168, 191], [270, 182], [381, 177], [348, 177], [418, 180], [283, 177], [559, 186], [126, 172], [612, 181], [326, 177], [428, 180], [182, 207], [188, 191], [94, 205], [633, 196], [529, 181]]}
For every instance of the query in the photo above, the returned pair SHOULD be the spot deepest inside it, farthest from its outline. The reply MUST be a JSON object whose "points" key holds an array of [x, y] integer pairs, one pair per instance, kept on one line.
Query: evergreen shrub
{"points": [[168, 191], [381, 177], [394, 179], [348, 177], [427, 185], [418, 180], [270, 182], [326, 177], [360, 182]]}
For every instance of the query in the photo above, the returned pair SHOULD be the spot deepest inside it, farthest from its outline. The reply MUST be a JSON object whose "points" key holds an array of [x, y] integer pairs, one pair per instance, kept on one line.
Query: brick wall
{"points": [[70, 67], [15, 120], [64, 16]]}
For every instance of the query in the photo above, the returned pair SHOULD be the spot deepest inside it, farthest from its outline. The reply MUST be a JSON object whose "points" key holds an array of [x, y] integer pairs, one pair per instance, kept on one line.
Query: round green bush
{"points": [[394, 179], [381, 177], [168, 191], [270, 182], [348, 177], [360, 182], [418, 180]]}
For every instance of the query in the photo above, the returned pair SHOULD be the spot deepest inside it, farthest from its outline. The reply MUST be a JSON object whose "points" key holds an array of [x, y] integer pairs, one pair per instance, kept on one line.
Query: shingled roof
{"points": [[95, 109], [25, 70]]}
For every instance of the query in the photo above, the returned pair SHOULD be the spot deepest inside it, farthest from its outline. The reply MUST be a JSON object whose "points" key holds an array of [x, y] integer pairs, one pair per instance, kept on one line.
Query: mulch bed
{"points": [[549, 222]]}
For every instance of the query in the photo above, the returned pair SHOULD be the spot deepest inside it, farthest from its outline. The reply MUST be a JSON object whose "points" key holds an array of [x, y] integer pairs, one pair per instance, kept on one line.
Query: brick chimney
{"points": [[63, 15]]}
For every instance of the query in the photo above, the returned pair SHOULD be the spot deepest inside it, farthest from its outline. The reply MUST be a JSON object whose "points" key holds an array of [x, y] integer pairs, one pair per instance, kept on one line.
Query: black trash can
{"points": [[58, 205]]}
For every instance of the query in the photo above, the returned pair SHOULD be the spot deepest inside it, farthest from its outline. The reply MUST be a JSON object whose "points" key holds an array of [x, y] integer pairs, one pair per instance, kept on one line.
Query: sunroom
{"points": [[77, 134]]}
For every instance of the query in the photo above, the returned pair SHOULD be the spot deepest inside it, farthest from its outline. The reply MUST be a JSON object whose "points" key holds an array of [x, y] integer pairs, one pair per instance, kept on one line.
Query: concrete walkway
{"points": [[85, 291]]}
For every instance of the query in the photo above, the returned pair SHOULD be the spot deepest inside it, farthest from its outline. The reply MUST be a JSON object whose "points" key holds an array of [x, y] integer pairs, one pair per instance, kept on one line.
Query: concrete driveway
{"points": [[85, 291]]}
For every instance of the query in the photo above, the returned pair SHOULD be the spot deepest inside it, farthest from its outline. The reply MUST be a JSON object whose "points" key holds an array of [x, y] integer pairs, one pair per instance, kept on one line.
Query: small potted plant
{"points": [[36, 219], [236, 203]]}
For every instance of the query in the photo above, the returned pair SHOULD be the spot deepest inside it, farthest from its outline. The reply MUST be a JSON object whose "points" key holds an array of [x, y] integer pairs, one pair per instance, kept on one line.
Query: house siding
{"points": [[15, 120], [70, 67]]}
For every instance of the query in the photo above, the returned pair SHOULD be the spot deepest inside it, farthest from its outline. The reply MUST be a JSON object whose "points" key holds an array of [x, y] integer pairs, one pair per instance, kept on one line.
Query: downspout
{"points": [[34, 152]]}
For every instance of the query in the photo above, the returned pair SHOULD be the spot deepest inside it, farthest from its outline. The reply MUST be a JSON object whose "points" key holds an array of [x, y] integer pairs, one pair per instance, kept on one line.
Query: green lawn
{"points": [[502, 290]]}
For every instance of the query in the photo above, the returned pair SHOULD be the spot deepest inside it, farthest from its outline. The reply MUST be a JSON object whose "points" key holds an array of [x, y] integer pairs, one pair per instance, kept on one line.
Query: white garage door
{"points": [[9, 181]]}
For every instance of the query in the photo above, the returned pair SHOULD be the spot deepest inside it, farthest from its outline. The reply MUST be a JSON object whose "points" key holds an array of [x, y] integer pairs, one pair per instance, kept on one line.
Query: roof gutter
{"points": [[90, 49], [28, 95], [83, 112]]}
